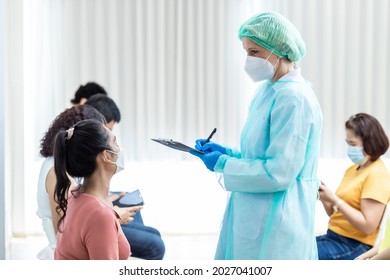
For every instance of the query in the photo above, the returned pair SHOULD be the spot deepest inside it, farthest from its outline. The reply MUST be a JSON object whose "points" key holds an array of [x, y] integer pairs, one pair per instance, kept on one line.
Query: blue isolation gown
{"points": [[273, 179]]}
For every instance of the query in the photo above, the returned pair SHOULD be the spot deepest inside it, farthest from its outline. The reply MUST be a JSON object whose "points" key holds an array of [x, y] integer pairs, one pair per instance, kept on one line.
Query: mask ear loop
{"points": [[106, 159], [277, 62], [275, 67], [269, 55], [114, 153]]}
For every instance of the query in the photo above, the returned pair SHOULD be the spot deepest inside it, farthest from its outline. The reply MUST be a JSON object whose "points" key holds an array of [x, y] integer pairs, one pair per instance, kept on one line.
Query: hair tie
{"points": [[70, 133]]}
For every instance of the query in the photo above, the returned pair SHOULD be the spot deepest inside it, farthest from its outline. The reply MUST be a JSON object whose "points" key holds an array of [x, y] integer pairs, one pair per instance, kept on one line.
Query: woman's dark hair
{"points": [[368, 128], [65, 120], [86, 91], [75, 152]]}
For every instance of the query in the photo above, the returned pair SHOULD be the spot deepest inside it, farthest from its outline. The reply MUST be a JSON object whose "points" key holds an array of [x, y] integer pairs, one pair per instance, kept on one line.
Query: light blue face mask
{"points": [[355, 153]]}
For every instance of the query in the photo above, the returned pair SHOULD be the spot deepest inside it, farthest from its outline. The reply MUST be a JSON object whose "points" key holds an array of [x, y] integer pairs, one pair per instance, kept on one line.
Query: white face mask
{"points": [[259, 69], [120, 162]]}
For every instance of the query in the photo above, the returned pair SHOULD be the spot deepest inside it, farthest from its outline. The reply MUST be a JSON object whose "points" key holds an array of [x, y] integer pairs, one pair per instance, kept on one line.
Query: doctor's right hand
{"points": [[201, 145]]}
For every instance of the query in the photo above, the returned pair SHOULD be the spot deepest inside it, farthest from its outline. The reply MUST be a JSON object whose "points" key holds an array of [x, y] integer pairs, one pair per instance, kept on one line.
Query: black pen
{"points": [[211, 135]]}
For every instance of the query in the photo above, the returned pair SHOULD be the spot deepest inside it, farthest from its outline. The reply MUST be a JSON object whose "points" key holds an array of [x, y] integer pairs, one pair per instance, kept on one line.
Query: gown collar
{"points": [[292, 76]]}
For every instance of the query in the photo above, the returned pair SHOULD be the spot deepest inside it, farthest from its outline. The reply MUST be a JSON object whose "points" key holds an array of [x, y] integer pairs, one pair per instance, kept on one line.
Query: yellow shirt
{"points": [[372, 182]]}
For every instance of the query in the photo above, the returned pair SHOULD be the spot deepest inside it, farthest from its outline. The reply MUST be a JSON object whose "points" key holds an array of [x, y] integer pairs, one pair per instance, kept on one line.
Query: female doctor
{"points": [[272, 180]]}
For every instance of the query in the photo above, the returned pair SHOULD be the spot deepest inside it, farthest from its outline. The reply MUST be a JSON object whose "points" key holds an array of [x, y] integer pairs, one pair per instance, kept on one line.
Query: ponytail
{"points": [[63, 183]]}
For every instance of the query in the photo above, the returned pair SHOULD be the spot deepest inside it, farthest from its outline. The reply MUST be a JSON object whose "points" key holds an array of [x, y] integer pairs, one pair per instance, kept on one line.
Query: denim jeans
{"points": [[145, 242], [333, 246]]}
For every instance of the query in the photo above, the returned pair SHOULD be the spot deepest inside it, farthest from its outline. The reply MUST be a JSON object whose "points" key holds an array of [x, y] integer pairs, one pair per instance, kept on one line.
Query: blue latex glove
{"points": [[209, 159], [201, 145]]}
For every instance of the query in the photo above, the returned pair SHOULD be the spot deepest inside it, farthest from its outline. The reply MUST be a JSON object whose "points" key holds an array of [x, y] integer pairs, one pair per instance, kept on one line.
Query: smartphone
{"points": [[133, 198]]}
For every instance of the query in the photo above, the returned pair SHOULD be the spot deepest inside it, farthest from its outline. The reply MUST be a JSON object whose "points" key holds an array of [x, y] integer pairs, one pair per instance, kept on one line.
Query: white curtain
{"points": [[168, 64], [347, 60], [175, 69]]}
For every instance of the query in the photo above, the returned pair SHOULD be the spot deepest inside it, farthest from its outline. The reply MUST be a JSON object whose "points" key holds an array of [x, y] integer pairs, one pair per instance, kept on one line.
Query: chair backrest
{"points": [[382, 225]]}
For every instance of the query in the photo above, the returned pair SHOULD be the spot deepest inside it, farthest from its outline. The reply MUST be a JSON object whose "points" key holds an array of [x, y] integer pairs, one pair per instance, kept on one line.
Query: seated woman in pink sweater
{"points": [[88, 228]]}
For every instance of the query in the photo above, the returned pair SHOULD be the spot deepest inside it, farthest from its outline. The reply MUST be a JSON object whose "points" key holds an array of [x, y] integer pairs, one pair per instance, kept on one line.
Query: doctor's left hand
{"points": [[209, 159]]}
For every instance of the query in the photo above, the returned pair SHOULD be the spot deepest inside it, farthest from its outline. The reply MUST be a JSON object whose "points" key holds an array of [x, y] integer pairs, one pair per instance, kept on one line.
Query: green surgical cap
{"points": [[275, 33]]}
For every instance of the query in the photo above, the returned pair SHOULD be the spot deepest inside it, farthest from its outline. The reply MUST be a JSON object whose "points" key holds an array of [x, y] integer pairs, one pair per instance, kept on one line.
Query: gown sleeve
{"points": [[291, 120]]}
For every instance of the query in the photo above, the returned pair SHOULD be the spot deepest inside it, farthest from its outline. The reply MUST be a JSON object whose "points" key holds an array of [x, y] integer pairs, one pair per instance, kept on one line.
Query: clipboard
{"points": [[175, 145]]}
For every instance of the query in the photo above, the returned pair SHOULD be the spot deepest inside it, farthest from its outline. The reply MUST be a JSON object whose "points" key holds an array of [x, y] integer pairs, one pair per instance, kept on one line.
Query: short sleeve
{"points": [[377, 187]]}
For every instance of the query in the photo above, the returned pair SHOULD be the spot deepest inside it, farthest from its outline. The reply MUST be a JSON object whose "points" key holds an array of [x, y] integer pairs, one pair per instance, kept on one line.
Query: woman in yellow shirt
{"points": [[357, 206]]}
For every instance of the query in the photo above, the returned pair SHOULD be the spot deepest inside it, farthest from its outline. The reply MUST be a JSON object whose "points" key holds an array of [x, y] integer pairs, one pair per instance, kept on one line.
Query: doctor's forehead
{"points": [[249, 45]]}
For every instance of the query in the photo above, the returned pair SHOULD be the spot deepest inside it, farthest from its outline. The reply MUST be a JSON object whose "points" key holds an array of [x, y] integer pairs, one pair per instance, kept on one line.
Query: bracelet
{"points": [[337, 205]]}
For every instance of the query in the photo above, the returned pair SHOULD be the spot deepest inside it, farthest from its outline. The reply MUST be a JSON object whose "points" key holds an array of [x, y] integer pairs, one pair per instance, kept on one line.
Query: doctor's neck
{"points": [[282, 68]]}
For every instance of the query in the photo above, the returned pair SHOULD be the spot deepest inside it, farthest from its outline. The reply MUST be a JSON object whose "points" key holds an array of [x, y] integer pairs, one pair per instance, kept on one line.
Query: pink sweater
{"points": [[91, 231]]}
